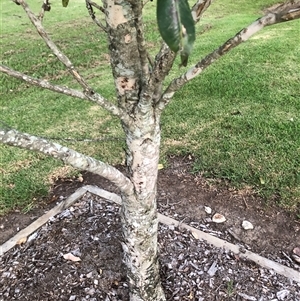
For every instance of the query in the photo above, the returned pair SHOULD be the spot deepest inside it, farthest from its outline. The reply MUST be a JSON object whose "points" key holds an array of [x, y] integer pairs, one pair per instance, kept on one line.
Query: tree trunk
{"points": [[139, 215], [135, 96]]}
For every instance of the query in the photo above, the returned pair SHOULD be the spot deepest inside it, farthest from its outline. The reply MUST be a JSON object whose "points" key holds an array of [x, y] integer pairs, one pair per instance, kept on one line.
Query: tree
{"points": [[140, 102]]}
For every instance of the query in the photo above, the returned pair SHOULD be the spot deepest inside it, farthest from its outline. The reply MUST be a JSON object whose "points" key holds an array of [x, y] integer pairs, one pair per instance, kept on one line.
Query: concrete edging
{"points": [[112, 197]]}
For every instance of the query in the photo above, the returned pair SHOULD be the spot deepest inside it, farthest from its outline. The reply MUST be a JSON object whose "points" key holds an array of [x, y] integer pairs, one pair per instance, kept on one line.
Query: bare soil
{"points": [[190, 269]]}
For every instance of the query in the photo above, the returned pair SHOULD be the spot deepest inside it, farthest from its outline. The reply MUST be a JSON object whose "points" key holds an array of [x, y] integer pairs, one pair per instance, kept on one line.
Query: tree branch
{"points": [[89, 6], [199, 8], [45, 7], [61, 57], [96, 6], [42, 83], [286, 12], [137, 8], [165, 58], [68, 156]]}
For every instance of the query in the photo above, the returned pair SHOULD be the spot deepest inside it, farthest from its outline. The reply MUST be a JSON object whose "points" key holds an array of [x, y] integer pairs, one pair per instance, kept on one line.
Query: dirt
{"points": [[37, 270]]}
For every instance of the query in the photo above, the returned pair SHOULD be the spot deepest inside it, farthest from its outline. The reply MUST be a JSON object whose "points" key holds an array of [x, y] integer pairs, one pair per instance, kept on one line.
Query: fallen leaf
{"points": [[70, 256], [160, 166]]}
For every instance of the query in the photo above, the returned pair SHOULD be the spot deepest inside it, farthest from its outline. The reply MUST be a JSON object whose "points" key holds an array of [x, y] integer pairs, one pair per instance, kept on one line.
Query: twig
{"points": [[289, 258], [88, 91], [199, 8], [145, 2], [42, 83], [96, 6], [91, 206], [89, 6], [246, 205], [165, 57], [45, 7], [97, 98], [137, 9], [286, 12], [61, 57]]}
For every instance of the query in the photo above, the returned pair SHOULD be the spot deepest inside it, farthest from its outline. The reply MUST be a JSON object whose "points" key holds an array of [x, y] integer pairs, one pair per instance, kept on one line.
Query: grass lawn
{"points": [[240, 118]]}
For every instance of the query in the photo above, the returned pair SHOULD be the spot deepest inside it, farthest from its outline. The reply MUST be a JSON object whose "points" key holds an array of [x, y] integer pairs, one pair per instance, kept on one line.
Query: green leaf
{"points": [[176, 26], [65, 3]]}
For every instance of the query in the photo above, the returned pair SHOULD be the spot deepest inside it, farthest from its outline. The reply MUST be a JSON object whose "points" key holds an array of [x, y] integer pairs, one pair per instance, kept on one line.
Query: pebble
{"points": [[282, 294], [247, 297], [218, 218], [89, 275], [207, 210], [213, 269], [296, 251], [296, 258], [247, 225], [90, 291]]}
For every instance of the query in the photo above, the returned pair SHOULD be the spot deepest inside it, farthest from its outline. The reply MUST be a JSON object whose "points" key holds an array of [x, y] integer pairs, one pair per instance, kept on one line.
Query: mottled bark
{"points": [[199, 8], [140, 102], [42, 83], [129, 63], [68, 156], [139, 216]]}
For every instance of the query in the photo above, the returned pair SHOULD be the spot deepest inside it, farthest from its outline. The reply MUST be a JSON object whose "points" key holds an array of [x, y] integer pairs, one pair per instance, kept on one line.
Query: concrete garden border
{"points": [[22, 235]]}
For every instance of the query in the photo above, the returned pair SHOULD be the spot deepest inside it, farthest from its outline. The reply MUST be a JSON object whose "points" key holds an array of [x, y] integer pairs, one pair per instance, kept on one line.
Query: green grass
{"points": [[240, 118]]}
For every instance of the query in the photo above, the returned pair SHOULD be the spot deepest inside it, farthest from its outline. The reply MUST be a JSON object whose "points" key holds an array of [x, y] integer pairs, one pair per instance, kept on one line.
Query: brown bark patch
{"points": [[115, 14], [128, 38], [125, 84]]}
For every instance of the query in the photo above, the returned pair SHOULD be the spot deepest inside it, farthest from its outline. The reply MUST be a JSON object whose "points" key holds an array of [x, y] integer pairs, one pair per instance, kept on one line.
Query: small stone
{"points": [[90, 291], [247, 225], [207, 210], [172, 227], [213, 269], [218, 218], [89, 275], [72, 298], [247, 297], [296, 258], [6, 274], [282, 294], [32, 237], [296, 251]]}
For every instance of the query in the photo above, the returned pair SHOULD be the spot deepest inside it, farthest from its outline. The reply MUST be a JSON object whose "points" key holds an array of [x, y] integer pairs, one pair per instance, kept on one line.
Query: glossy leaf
{"points": [[176, 26], [65, 3]]}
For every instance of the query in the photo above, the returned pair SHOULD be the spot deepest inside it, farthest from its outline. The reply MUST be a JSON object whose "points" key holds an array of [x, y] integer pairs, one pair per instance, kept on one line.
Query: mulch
{"points": [[190, 268]]}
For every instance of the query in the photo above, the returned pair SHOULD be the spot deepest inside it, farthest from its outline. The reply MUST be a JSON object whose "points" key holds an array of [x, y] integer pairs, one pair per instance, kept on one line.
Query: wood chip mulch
{"points": [[91, 230]]}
